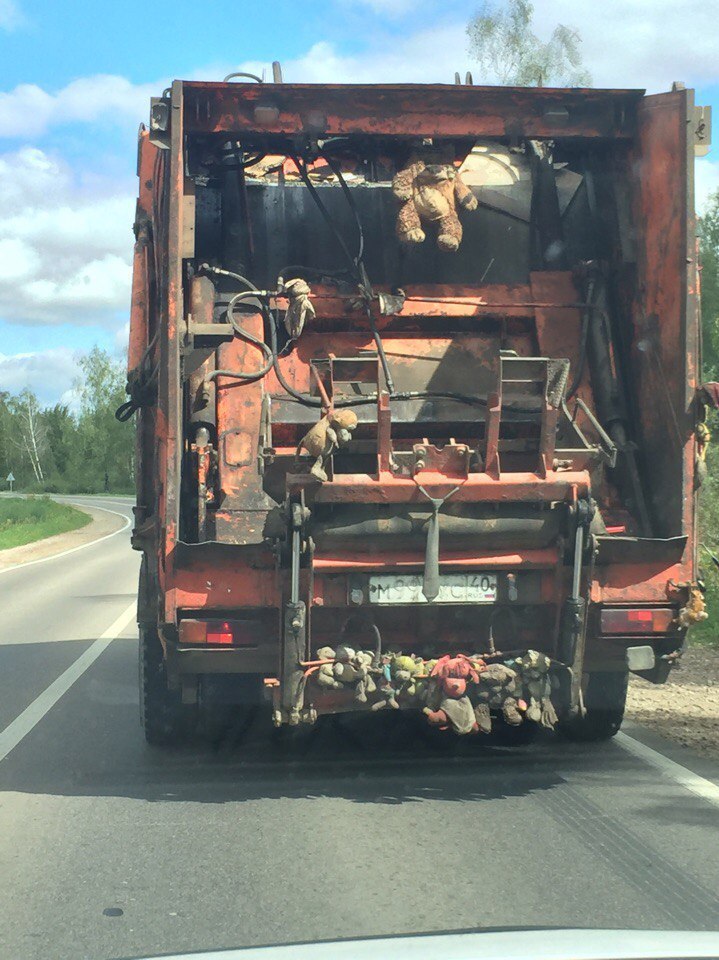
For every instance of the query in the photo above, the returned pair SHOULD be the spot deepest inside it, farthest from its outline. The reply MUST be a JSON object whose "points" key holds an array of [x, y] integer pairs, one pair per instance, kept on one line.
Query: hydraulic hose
{"points": [[246, 335]]}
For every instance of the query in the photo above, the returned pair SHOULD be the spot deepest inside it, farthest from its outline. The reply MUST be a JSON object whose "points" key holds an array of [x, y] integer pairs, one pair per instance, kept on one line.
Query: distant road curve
{"points": [[109, 517]]}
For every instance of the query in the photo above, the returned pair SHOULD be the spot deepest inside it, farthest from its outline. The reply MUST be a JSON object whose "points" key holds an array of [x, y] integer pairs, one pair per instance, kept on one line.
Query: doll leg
{"points": [[409, 226], [450, 232]]}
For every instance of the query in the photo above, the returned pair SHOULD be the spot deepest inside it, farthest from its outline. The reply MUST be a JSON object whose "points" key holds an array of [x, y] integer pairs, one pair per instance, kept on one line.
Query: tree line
{"points": [[70, 449]]}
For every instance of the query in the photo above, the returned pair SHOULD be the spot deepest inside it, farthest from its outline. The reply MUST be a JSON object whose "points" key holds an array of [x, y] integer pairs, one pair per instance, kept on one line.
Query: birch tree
{"points": [[30, 436], [503, 42]]}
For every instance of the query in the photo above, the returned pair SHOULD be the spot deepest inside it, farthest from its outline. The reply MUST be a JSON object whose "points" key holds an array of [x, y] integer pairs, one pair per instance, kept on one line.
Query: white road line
{"points": [[65, 553], [33, 714], [699, 786]]}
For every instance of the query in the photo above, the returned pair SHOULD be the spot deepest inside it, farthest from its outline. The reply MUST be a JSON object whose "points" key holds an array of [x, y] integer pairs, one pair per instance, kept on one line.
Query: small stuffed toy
{"points": [[386, 686], [458, 714], [450, 705], [325, 674], [452, 674], [321, 440], [404, 670], [535, 683], [364, 660], [430, 193], [299, 308], [353, 669]]}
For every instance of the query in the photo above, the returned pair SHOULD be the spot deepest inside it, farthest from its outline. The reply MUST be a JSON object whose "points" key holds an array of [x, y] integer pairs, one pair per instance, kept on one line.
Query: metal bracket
{"points": [[702, 131]]}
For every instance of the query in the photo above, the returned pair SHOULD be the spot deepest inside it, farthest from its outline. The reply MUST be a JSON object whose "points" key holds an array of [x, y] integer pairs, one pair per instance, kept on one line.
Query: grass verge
{"points": [[35, 518]]}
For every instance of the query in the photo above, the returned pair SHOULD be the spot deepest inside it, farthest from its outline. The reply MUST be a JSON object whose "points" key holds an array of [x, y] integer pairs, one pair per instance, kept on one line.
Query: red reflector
{"points": [[622, 621], [643, 616], [224, 633], [219, 633]]}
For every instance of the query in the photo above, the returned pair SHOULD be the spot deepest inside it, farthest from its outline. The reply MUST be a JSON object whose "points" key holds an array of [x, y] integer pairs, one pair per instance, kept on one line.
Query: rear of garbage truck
{"points": [[419, 415]]}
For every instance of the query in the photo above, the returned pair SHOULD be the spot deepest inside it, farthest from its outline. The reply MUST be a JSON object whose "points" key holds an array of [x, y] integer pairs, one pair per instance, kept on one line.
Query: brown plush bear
{"points": [[325, 437], [430, 192]]}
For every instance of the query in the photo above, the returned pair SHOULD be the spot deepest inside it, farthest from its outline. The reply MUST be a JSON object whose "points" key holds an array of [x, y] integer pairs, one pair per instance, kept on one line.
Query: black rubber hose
{"points": [[363, 279], [302, 170], [221, 272], [380, 350], [309, 401], [335, 168], [246, 335]]}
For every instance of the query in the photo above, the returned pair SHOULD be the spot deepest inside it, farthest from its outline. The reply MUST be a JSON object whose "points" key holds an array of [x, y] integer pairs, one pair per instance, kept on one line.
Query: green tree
{"points": [[27, 434], [709, 257], [502, 41], [62, 436], [6, 449], [107, 444]]}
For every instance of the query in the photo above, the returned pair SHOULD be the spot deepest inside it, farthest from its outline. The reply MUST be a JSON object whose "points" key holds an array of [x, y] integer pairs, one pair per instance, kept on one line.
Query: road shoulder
{"points": [[103, 523], [686, 709]]}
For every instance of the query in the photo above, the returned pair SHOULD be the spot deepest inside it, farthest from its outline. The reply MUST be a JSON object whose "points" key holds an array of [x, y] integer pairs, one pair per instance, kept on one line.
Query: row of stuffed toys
{"points": [[455, 692]]}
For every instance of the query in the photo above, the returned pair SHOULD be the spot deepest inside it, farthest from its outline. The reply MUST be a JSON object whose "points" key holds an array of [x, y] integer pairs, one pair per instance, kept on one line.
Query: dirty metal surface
{"points": [[665, 327], [409, 110]]}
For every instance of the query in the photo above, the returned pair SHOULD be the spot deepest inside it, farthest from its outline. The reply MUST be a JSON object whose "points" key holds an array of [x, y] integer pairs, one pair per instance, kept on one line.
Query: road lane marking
{"points": [[65, 553], [12, 735], [699, 786]]}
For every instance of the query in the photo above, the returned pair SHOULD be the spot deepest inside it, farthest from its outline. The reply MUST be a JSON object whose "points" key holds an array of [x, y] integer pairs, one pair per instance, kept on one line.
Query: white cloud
{"points": [[28, 111], [65, 251], [427, 56], [625, 43], [706, 180], [11, 16], [50, 373], [639, 43], [121, 339], [389, 8]]}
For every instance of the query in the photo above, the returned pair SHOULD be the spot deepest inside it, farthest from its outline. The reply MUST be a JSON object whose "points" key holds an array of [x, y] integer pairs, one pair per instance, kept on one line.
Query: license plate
{"points": [[453, 588]]}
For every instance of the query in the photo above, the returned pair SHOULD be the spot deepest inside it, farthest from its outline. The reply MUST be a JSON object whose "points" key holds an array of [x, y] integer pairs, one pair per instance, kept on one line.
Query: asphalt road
{"points": [[111, 849]]}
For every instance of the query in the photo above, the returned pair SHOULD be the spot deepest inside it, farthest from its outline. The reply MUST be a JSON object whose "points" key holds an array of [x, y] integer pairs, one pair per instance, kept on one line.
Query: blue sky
{"points": [[75, 82]]}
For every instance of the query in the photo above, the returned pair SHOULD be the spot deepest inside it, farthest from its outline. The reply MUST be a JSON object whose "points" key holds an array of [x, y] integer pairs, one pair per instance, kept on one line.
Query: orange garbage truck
{"points": [[420, 424]]}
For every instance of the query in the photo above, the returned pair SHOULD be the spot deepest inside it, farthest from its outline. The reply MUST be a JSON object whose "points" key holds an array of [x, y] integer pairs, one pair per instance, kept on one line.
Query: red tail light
{"points": [[221, 632], [644, 620]]}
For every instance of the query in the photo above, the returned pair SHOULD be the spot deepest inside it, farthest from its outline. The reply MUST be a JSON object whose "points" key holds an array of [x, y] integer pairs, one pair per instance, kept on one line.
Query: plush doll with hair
{"points": [[430, 189]]}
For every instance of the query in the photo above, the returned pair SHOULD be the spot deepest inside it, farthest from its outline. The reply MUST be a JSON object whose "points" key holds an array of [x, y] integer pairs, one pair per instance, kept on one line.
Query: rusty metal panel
{"points": [[243, 502], [170, 386], [557, 325], [188, 220], [665, 334], [429, 110]]}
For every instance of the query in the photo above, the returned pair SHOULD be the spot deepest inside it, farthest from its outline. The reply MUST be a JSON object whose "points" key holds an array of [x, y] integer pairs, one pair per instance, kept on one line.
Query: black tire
{"points": [[605, 700], [165, 719]]}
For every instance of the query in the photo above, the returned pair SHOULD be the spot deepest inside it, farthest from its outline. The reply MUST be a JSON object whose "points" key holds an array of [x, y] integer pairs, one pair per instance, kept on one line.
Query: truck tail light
{"points": [[640, 620], [223, 633], [219, 633]]}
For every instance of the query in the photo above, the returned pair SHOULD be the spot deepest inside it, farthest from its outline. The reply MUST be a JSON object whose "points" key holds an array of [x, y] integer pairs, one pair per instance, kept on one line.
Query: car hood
{"points": [[525, 944]]}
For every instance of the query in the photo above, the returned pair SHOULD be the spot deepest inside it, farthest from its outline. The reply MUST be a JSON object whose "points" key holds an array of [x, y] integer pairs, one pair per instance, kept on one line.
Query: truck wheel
{"points": [[164, 718], [605, 699]]}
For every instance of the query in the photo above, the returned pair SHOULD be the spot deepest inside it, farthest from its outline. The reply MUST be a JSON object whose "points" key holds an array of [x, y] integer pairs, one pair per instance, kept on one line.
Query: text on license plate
{"points": [[453, 588]]}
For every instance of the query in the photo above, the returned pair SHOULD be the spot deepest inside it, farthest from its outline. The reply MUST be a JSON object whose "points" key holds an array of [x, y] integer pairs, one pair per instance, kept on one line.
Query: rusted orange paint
{"points": [[544, 317], [396, 110]]}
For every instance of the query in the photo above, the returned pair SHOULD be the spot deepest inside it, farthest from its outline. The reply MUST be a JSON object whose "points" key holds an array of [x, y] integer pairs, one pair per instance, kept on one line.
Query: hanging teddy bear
{"points": [[326, 436], [430, 188]]}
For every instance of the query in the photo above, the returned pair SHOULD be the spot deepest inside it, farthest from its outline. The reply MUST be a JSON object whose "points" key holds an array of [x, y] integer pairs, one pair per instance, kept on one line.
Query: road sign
{"points": [[10, 479]]}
